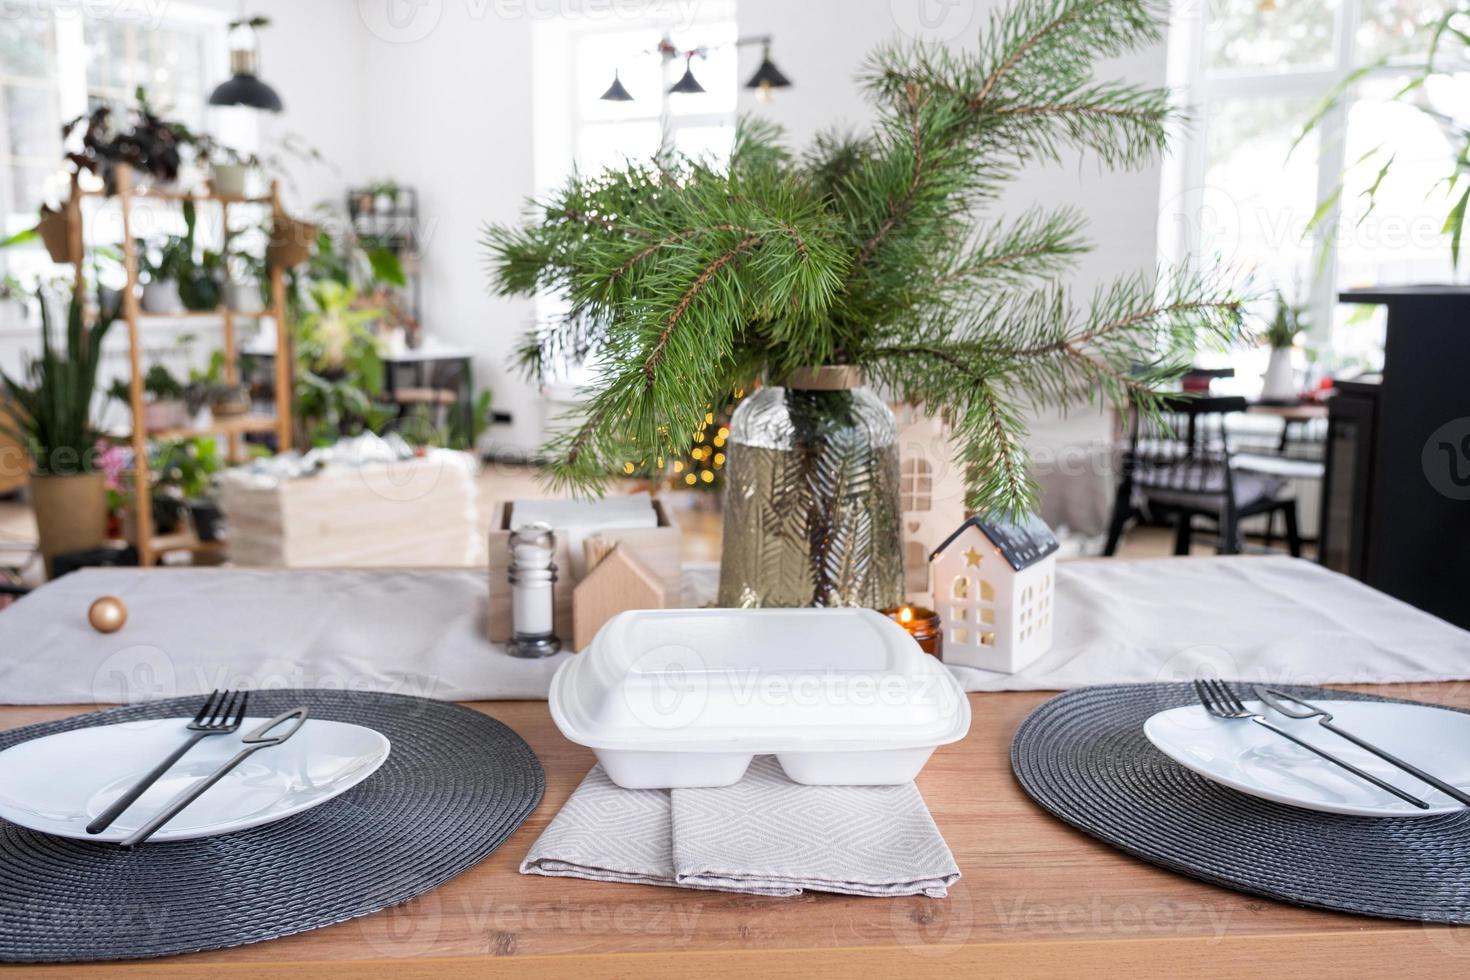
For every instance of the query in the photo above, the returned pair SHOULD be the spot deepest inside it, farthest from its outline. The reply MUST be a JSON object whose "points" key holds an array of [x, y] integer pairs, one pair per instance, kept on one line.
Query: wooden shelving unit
{"points": [[152, 546]]}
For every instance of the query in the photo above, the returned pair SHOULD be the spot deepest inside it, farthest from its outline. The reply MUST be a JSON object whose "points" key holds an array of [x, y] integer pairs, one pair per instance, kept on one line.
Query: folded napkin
{"points": [[766, 835]]}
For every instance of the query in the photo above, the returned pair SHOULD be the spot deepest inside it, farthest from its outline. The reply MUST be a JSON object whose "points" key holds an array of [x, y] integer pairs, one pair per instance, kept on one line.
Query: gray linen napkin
{"points": [[763, 836]]}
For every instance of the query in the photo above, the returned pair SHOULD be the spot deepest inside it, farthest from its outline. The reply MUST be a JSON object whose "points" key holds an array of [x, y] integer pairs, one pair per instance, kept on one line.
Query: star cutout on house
{"points": [[972, 558]]}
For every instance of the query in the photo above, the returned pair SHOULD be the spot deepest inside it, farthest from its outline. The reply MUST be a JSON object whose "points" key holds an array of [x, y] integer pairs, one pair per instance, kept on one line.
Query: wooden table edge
{"points": [[1373, 951]]}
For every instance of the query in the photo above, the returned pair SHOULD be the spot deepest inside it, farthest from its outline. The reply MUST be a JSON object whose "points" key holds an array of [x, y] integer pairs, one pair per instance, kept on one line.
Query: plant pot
{"points": [[229, 179], [162, 297], [165, 413], [209, 520], [71, 513], [243, 297], [229, 401], [291, 242], [1279, 381], [55, 231], [811, 502]]}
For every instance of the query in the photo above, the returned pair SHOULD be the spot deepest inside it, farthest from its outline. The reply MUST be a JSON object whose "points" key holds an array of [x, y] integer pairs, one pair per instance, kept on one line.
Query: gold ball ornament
{"points": [[107, 614]]}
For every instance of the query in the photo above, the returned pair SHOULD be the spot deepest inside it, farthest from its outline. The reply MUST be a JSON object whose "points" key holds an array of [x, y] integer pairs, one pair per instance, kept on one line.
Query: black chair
{"points": [[1179, 467]]}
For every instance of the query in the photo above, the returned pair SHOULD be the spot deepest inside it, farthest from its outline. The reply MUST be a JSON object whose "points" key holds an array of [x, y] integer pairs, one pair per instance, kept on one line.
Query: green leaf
{"points": [[1454, 224], [387, 267]]}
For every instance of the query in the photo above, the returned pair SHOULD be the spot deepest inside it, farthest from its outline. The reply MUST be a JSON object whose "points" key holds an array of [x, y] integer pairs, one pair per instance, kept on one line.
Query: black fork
{"points": [[222, 714], [1220, 701]]}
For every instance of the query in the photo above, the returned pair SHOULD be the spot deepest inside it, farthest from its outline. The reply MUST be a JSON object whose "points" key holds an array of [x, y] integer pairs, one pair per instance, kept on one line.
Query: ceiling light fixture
{"points": [[687, 84], [767, 77], [616, 92], [244, 87], [765, 81]]}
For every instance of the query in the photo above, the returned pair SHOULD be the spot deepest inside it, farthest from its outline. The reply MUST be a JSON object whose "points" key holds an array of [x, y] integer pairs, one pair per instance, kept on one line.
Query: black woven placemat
{"points": [[455, 785], [1083, 756]]}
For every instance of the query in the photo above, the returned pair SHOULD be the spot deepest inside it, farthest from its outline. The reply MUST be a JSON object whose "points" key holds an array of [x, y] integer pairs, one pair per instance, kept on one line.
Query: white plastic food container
{"points": [[687, 697]]}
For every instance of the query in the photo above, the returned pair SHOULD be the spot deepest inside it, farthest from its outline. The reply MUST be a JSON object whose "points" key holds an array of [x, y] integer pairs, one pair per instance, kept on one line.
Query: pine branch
{"points": [[690, 280]]}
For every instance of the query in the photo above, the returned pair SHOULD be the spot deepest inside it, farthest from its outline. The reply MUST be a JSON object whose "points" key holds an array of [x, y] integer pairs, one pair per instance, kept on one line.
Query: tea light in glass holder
{"points": [[920, 623]]}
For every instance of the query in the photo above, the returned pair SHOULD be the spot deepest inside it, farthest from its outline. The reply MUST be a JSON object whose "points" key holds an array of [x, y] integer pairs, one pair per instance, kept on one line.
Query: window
{"points": [[58, 61], [1252, 71], [575, 59]]}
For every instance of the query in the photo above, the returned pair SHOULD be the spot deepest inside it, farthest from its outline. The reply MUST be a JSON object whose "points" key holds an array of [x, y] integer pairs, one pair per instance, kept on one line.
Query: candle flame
{"points": [[905, 615]]}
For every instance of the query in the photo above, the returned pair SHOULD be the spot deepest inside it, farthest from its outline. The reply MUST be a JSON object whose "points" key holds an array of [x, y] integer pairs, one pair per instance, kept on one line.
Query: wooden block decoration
{"points": [[656, 547], [618, 582]]}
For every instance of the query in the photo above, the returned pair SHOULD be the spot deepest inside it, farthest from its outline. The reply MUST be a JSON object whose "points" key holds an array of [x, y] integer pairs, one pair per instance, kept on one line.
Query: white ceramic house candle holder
{"points": [[994, 583]]}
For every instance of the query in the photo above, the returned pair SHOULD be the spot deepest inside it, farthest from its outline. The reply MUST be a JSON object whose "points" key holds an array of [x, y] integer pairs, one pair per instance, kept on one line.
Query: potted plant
{"points": [[385, 196], [54, 230], [245, 282], [229, 168], [860, 260], [159, 268], [166, 405], [1278, 384], [147, 142], [186, 471], [291, 242], [50, 413]]}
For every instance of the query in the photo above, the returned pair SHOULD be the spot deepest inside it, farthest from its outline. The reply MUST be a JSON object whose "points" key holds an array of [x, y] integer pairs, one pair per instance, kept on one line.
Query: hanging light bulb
{"points": [[243, 87], [615, 92], [687, 85], [767, 77]]}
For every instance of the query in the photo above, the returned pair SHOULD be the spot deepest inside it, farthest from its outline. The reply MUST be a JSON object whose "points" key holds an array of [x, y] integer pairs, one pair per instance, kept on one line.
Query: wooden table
{"points": [[1037, 898]]}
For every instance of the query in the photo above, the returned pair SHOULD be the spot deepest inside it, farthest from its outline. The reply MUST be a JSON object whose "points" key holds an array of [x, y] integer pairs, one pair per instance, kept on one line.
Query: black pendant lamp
{"points": [[767, 77], [244, 87], [616, 92], [688, 84]]}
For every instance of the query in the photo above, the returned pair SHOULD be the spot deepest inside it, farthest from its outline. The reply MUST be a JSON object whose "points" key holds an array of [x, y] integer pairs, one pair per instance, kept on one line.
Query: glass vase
{"points": [[811, 500]]}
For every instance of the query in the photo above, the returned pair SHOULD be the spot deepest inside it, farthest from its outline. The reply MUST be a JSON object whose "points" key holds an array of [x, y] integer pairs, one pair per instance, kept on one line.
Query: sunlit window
{"points": [[575, 61], [1252, 72], [59, 61]]}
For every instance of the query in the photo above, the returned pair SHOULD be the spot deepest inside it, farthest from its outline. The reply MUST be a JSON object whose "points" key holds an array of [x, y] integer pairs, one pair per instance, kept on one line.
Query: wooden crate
{"points": [[418, 513], [656, 547]]}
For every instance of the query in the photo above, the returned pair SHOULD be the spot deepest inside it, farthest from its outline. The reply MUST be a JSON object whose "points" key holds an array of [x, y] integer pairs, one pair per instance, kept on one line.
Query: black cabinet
{"points": [[1390, 517]]}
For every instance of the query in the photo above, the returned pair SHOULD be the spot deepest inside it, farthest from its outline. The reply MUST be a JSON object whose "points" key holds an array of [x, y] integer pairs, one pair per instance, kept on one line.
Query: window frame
{"points": [[69, 85], [1199, 89]]}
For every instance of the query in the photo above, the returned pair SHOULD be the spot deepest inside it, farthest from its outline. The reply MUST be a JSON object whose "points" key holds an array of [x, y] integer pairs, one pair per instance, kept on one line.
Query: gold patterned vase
{"points": [[811, 498]]}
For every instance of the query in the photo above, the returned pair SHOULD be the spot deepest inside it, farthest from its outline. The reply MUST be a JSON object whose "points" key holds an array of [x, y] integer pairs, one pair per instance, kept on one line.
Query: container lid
{"points": [[756, 680]]}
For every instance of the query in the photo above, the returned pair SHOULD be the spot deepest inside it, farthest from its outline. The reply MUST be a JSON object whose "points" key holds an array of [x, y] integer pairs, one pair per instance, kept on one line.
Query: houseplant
{"points": [[229, 168], [861, 258], [50, 413], [166, 404], [1279, 381], [339, 371], [186, 470], [173, 278], [147, 142], [1447, 42]]}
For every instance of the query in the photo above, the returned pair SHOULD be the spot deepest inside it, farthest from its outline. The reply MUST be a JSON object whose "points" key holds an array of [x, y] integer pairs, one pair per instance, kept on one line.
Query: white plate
{"points": [[58, 783], [1244, 756]]}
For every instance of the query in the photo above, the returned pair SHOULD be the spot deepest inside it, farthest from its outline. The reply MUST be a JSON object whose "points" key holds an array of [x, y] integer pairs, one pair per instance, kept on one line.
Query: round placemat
{"points": [[1083, 756], [455, 785]]}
